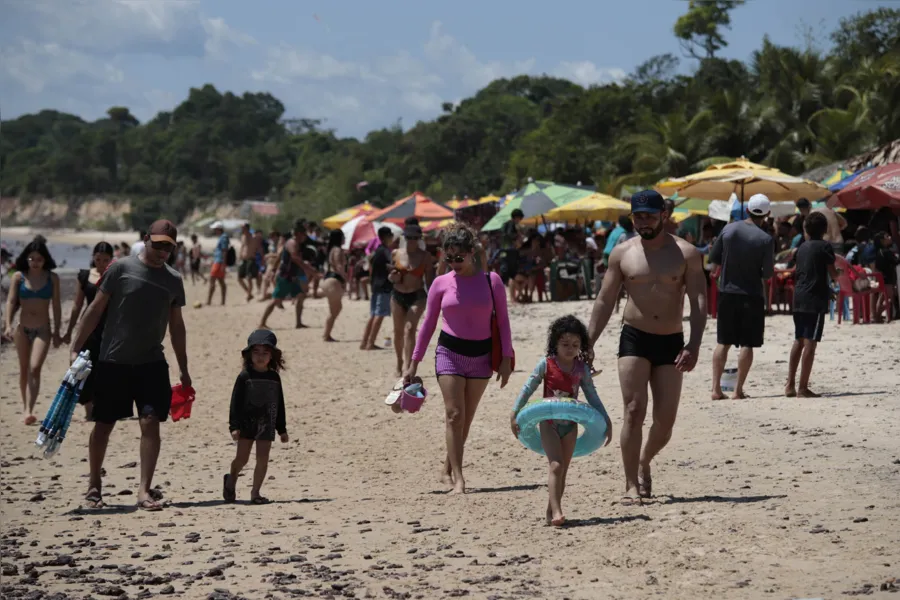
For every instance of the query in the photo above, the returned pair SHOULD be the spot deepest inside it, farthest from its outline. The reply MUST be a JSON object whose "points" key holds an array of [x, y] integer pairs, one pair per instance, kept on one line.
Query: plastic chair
{"points": [[860, 299]]}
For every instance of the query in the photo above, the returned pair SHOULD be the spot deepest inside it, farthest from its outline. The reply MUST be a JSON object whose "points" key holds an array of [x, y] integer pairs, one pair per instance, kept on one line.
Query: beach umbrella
{"points": [[358, 231], [744, 179], [842, 183], [435, 225], [536, 199], [339, 220], [595, 207], [416, 205], [873, 189], [837, 176], [53, 428], [457, 204]]}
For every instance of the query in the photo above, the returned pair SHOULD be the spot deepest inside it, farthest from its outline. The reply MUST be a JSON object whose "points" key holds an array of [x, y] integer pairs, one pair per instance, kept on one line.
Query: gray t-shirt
{"points": [[140, 298], [747, 256]]}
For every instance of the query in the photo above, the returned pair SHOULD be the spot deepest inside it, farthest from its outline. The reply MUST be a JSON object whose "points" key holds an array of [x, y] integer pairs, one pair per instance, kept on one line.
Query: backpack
{"points": [[230, 256]]}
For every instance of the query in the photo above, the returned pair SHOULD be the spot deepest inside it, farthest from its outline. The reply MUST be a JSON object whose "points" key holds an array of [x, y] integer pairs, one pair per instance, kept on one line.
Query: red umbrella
{"points": [[871, 190], [415, 205]]}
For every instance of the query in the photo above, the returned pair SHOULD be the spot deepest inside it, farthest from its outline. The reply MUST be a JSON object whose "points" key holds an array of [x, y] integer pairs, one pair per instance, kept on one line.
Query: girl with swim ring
{"points": [[467, 297], [257, 411], [33, 288], [411, 266], [563, 371]]}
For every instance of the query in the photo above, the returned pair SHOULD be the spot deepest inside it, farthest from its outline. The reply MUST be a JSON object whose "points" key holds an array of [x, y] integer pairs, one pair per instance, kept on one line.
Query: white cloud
{"points": [[286, 64], [586, 73], [37, 66], [219, 36]]}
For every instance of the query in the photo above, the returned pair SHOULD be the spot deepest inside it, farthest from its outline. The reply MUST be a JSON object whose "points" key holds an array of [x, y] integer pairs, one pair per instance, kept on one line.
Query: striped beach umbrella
{"points": [[416, 205], [339, 220], [535, 199]]}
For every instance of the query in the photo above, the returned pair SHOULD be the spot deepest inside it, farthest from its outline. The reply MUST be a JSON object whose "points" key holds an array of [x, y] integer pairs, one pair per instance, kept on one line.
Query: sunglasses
{"points": [[162, 246], [455, 258], [412, 239]]}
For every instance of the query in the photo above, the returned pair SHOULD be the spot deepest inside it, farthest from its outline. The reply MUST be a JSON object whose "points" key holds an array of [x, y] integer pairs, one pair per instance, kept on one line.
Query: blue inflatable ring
{"points": [[592, 423]]}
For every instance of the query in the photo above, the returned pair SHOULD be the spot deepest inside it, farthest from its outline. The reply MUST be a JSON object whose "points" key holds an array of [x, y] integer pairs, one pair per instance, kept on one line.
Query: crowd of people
{"points": [[466, 285]]}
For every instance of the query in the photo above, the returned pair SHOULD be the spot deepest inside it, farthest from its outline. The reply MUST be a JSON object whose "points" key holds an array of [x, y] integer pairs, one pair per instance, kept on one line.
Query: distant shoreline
{"points": [[87, 238]]}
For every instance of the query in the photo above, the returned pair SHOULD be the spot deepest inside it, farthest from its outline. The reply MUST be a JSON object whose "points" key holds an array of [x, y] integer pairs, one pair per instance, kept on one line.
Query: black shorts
{"points": [[741, 320], [658, 349], [195, 265], [809, 326], [119, 388], [509, 265], [248, 268]]}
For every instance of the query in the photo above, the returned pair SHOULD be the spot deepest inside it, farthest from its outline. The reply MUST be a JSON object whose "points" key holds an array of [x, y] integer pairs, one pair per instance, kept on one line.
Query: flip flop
{"points": [[645, 487], [230, 495], [94, 499], [259, 500], [149, 505]]}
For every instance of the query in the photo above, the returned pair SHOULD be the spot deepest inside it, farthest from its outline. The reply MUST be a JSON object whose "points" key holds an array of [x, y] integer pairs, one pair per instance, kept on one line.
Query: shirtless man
{"points": [[196, 258], [248, 269], [656, 270]]}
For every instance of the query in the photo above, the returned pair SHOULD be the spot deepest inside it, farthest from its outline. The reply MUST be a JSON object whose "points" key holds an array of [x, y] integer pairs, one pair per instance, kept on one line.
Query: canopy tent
{"points": [[337, 221], [870, 190], [416, 205], [744, 179], [358, 232], [535, 199], [595, 207]]}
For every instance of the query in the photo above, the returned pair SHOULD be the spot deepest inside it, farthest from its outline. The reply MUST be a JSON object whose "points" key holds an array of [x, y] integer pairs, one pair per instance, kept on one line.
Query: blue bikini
{"points": [[45, 293]]}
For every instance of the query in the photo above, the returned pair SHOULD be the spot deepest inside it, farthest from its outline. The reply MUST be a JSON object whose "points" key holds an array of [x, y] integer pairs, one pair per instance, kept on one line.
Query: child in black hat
{"points": [[257, 411]]}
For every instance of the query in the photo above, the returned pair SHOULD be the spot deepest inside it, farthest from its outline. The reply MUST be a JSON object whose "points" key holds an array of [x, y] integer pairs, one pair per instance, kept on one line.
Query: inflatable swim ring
{"points": [[592, 423]]}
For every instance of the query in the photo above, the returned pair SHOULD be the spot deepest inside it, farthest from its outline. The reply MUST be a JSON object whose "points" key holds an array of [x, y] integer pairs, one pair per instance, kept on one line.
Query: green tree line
{"points": [[793, 108]]}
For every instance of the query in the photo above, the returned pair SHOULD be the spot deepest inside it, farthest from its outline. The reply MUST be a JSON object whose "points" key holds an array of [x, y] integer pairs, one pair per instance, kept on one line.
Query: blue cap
{"points": [[648, 201]]}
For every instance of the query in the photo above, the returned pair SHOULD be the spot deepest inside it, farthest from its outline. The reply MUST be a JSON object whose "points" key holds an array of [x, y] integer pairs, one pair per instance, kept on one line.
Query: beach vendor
{"points": [[563, 371], [656, 269], [142, 297]]}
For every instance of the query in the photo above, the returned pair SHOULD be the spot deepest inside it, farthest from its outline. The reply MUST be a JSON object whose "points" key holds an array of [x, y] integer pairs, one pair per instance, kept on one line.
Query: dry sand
{"points": [[762, 498]]}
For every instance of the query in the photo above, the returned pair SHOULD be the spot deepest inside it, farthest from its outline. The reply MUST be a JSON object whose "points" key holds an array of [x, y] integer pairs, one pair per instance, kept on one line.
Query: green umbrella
{"points": [[535, 199]]}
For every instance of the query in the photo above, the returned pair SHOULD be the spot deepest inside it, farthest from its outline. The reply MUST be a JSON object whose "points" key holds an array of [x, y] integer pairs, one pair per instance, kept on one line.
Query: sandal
{"points": [[94, 499], [645, 487], [259, 500], [156, 494], [229, 494], [149, 505]]}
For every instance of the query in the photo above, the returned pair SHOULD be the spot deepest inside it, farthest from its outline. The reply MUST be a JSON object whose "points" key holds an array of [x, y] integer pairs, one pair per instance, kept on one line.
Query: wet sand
{"points": [[760, 498]]}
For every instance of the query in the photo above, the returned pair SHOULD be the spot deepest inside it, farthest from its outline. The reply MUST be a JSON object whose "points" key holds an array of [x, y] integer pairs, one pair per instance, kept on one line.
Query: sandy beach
{"points": [[761, 498]]}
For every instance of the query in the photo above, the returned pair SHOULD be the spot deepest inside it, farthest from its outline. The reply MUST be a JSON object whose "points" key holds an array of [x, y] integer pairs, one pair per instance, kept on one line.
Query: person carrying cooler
{"points": [[563, 371], [257, 411]]}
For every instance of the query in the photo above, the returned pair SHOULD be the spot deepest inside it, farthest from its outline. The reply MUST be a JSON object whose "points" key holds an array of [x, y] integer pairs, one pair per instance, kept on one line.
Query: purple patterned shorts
{"points": [[447, 362]]}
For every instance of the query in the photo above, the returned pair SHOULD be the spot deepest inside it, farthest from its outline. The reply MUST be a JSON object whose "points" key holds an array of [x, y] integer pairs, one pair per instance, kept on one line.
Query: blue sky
{"points": [[358, 64]]}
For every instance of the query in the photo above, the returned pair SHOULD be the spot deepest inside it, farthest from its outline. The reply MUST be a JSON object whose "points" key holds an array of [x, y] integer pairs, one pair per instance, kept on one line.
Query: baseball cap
{"points": [[163, 231], [758, 205], [647, 201], [261, 337], [217, 225]]}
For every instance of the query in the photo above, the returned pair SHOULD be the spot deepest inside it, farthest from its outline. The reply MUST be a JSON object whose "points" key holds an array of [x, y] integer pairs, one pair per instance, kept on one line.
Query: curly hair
{"points": [[459, 235], [275, 364], [568, 324]]}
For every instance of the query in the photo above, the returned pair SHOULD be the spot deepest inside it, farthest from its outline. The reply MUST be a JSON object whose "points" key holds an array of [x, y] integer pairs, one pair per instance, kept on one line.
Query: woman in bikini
{"points": [[467, 297], [334, 281], [34, 288], [88, 281], [411, 266]]}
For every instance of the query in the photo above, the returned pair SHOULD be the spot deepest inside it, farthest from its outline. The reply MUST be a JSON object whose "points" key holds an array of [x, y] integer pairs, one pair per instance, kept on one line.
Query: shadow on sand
{"points": [[605, 521], [509, 488], [711, 498]]}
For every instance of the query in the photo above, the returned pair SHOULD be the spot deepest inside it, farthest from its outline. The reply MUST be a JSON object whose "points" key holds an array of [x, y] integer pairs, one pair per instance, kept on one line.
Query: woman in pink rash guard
{"points": [[463, 353]]}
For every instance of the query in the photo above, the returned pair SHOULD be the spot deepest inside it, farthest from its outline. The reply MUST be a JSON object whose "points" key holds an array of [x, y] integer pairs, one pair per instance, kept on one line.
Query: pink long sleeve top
{"points": [[466, 305]]}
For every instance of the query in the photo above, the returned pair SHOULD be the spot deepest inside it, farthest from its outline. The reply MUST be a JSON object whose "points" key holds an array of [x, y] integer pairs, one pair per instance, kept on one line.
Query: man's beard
{"points": [[649, 235]]}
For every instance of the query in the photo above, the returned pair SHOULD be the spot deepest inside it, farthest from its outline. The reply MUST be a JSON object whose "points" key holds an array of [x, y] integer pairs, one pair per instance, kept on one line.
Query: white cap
{"points": [[219, 225], [759, 205]]}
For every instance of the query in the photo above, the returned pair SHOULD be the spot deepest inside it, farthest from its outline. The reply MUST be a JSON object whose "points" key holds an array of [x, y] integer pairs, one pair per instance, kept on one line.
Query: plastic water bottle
{"points": [[729, 380]]}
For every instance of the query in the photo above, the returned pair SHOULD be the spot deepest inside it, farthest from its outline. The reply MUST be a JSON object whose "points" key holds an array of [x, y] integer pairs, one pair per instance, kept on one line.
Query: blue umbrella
{"points": [[836, 187], [53, 428]]}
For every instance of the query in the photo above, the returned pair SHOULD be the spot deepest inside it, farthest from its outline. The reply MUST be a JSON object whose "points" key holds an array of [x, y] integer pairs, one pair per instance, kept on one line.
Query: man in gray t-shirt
{"points": [[746, 255], [142, 297]]}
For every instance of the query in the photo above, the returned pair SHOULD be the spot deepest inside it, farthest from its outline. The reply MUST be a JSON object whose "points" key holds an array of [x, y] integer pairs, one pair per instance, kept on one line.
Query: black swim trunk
{"points": [[509, 265], [406, 300], [741, 320], [248, 268], [658, 349], [119, 388], [195, 265], [809, 326]]}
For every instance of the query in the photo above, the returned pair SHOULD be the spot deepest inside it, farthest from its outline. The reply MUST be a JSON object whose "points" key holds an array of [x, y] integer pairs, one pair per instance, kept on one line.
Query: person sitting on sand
{"points": [[335, 281], [34, 288], [412, 266], [257, 412], [88, 281], [563, 371], [142, 297], [468, 298], [815, 262]]}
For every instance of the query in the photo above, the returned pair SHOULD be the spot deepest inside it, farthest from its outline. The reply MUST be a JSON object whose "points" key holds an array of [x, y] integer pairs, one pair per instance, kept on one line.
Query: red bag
{"points": [[182, 400], [496, 344]]}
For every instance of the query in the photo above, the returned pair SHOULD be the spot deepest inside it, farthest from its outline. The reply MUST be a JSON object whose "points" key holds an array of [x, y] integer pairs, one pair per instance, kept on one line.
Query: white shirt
{"points": [[137, 249]]}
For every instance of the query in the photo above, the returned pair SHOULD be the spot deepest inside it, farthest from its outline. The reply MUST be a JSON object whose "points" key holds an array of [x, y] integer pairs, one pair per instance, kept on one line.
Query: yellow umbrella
{"points": [[596, 207], [456, 203], [337, 221], [743, 178]]}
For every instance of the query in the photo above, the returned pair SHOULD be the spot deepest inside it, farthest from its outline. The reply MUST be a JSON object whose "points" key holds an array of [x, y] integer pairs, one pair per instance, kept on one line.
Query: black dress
{"points": [[92, 344]]}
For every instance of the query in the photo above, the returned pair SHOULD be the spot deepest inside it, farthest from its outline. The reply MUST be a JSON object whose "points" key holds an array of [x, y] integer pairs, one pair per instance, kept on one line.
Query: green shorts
{"points": [[287, 288]]}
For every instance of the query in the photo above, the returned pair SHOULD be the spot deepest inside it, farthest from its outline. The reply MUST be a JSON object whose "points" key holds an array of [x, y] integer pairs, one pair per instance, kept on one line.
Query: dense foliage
{"points": [[793, 108]]}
